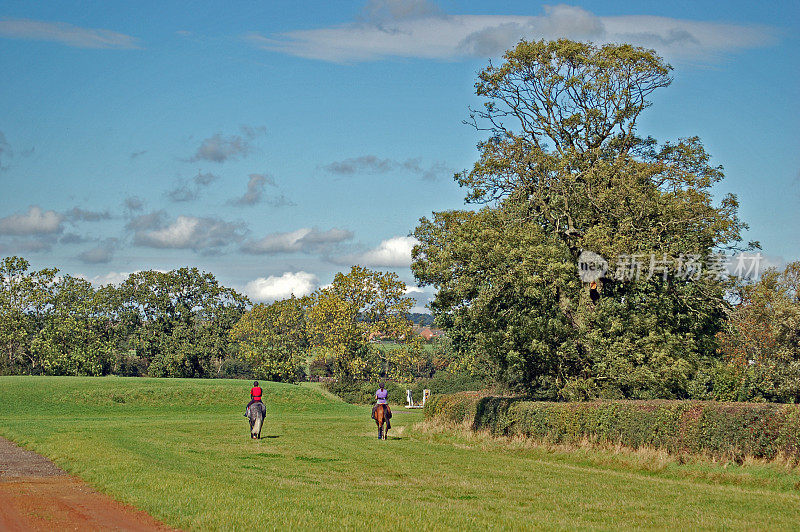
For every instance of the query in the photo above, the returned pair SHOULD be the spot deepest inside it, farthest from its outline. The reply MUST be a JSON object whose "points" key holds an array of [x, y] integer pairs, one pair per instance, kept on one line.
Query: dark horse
{"points": [[381, 418], [255, 413]]}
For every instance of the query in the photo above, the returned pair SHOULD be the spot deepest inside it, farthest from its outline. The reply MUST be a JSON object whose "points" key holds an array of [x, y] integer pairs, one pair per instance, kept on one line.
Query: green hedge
{"points": [[362, 393], [441, 383], [728, 430]]}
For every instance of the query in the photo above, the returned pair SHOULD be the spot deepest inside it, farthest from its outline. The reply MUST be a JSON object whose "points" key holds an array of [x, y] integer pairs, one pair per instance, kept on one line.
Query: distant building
{"points": [[428, 334]]}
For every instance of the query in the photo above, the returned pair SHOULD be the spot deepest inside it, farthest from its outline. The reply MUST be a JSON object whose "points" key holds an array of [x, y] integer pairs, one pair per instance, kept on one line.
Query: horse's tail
{"points": [[256, 415], [256, 421]]}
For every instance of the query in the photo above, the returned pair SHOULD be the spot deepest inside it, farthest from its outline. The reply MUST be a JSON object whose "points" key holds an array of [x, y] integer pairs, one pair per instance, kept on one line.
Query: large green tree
{"points": [[51, 324], [563, 171], [178, 321], [357, 307], [75, 335], [23, 297], [273, 341], [761, 341]]}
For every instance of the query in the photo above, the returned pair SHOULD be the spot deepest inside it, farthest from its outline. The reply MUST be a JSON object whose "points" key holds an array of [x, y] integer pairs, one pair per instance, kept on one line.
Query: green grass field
{"points": [[320, 465]]}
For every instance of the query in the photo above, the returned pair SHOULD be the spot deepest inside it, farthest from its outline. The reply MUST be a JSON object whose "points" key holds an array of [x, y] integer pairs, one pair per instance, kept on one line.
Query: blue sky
{"points": [[276, 143]]}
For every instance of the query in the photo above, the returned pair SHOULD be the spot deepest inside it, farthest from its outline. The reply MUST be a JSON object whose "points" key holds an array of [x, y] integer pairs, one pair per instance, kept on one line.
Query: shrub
{"points": [[363, 392], [234, 368], [726, 430]]}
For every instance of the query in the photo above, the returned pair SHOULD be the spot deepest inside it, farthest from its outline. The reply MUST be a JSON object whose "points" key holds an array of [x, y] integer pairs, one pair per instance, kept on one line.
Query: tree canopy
{"points": [[356, 308], [272, 339], [564, 171], [761, 341], [183, 323]]}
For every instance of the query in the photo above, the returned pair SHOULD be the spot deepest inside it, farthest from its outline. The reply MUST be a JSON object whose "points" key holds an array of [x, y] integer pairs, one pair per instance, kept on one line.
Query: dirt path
{"points": [[38, 495]]}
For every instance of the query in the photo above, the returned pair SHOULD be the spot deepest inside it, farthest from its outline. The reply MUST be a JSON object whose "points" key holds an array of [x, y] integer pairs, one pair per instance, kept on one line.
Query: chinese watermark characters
{"points": [[690, 267]]}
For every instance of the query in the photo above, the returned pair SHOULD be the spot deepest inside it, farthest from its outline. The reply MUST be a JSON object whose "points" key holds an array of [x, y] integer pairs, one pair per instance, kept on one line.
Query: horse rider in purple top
{"points": [[380, 397]]}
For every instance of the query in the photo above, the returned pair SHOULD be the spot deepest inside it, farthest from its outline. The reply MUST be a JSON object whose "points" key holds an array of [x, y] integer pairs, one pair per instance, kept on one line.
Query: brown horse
{"points": [[381, 418]]}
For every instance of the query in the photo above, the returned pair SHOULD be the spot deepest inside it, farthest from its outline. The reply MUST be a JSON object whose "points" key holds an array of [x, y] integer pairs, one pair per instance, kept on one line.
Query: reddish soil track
{"points": [[37, 495]]}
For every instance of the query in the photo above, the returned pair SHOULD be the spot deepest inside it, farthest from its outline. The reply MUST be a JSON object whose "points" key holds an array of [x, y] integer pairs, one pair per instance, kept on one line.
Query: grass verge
{"points": [[179, 450]]}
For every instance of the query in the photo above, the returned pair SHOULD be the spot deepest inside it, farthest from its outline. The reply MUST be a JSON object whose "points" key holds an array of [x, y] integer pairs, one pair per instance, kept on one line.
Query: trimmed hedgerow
{"points": [[728, 430], [361, 392]]}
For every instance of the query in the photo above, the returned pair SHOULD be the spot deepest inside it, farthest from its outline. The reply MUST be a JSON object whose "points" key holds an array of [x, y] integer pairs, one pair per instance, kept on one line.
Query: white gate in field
{"points": [[410, 400]]}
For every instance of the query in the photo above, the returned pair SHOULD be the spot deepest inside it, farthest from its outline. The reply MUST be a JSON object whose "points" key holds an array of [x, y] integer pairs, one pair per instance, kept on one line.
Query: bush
{"points": [[234, 368], [726, 430], [445, 382], [363, 392], [129, 364]]}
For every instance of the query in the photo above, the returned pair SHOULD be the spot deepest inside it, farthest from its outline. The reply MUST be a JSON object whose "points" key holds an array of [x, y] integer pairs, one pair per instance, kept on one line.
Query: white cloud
{"points": [[35, 245], [219, 148], [280, 201], [115, 278], [73, 238], [112, 277], [63, 33], [274, 288], [151, 220], [255, 189], [76, 214], [422, 296], [133, 203], [392, 253], [306, 239], [446, 37], [190, 191], [370, 164], [103, 253], [34, 222], [96, 255], [411, 290], [185, 232]]}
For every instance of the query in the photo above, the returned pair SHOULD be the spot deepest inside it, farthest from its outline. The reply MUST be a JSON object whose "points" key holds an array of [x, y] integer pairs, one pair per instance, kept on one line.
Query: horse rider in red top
{"points": [[255, 396]]}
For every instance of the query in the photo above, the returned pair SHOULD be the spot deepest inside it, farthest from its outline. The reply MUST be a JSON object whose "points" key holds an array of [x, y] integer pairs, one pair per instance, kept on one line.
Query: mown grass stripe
{"points": [[325, 468]]}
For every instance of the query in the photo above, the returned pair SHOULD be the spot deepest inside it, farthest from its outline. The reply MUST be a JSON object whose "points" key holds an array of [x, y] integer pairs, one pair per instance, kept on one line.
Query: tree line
{"points": [[183, 323]]}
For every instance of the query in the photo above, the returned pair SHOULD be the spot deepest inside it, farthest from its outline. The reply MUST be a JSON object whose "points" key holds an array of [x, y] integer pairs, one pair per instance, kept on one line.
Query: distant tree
{"points": [[564, 171], [356, 308], [761, 342], [177, 321], [51, 324], [272, 339], [74, 337], [421, 319], [23, 297]]}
